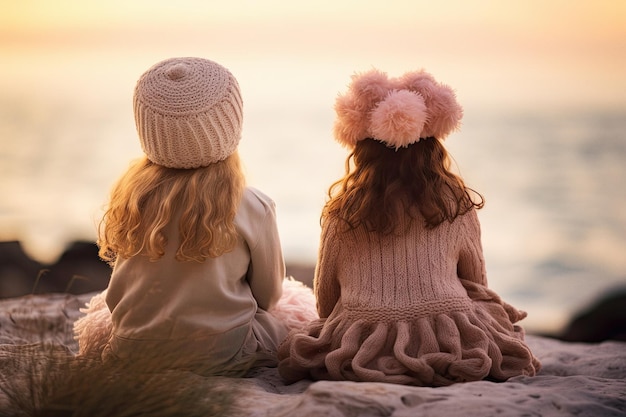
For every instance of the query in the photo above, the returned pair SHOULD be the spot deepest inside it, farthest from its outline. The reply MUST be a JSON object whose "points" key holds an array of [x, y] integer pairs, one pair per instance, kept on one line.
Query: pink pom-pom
{"points": [[369, 88], [398, 120], [446, 113], [351, 122], [419, 82], [387, 109]]}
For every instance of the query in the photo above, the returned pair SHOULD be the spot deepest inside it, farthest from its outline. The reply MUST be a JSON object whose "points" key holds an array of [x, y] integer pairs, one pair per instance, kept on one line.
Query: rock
{"points": [[302, 272], [604, 320], [79, 270], [18, 272]]}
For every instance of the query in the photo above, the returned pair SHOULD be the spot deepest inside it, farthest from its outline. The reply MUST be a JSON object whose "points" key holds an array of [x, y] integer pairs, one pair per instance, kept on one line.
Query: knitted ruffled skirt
{"points": [[464, 344]]}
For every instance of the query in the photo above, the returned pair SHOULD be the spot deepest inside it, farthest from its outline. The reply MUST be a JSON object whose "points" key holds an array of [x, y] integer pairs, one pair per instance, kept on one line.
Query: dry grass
{"points": [[41, 376], [47, 380]]}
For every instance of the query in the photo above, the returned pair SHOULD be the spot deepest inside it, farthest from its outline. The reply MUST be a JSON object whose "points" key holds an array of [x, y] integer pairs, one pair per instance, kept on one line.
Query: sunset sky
{"points": [[495, 52]]}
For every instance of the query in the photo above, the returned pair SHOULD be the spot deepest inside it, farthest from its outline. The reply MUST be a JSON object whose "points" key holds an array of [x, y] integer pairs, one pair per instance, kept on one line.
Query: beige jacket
{"points": [[211, 313]]}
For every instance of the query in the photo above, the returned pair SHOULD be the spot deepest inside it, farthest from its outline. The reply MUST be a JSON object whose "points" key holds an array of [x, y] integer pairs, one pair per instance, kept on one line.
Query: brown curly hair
{"points": [[383, 183]]}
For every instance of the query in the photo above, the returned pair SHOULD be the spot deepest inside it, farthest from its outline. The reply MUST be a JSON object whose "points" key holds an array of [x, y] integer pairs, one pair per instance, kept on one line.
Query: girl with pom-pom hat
{"points": [[400, 282]]}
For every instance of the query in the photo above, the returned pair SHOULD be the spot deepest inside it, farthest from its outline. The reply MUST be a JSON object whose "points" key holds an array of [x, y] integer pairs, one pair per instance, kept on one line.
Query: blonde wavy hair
{"points": [[149, 196], [382, 184]]}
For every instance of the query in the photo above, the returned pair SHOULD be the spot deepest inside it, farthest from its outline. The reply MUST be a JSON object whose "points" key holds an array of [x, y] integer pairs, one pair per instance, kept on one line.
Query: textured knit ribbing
{"points": [[410, 308], [188, 112], [392, 276]]}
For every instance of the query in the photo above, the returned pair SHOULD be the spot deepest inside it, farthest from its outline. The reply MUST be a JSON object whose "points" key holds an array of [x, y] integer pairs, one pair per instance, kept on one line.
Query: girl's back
{"points": [[196, 255], [407, 275], [400, 282], [216, 300]]}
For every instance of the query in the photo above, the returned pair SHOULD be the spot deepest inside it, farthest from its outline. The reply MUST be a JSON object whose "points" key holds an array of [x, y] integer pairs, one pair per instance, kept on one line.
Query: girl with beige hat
{"points": [[196, 256]]}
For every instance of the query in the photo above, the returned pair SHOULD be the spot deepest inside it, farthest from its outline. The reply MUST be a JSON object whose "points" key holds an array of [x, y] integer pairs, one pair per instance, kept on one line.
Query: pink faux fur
{"points": [[366, 111], [295, 308], [369, 88], [401, 116], [92, 331], [353, 126]]}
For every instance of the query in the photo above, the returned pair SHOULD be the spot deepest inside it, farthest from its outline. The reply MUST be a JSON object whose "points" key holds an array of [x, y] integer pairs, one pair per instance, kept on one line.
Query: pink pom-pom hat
{"points": [[396, 111]]}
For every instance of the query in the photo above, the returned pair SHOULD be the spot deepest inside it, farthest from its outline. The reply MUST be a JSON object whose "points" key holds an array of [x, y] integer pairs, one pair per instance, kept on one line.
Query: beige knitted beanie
{"points": [[188, 112]]}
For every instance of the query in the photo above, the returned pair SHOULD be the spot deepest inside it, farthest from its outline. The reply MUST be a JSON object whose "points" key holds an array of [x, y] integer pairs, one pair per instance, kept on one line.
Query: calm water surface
{"points": [[554, 226]]}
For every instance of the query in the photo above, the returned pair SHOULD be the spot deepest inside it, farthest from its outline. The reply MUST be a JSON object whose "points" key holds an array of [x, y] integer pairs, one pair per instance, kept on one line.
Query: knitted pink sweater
{"points": [[409, 309]]}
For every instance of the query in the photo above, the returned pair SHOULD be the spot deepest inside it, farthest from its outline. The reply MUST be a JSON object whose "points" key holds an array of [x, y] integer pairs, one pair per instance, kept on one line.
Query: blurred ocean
{"points": [[554, 225]]}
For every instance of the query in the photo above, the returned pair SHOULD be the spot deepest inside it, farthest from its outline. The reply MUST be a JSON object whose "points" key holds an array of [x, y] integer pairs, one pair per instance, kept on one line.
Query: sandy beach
{"points": [[36, 345]]}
